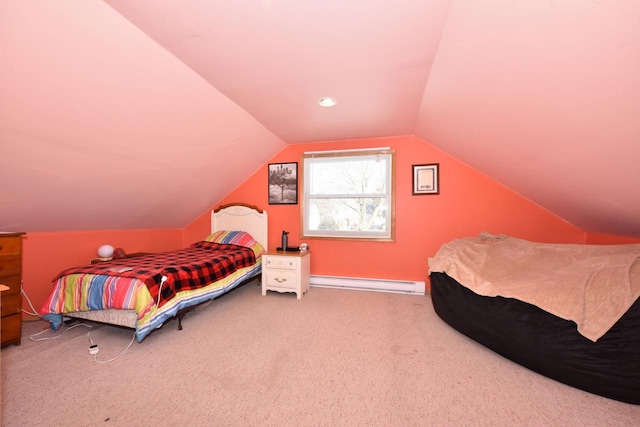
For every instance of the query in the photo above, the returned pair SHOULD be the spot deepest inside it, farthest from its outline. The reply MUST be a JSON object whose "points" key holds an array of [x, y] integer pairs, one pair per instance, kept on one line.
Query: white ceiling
{"points": [[543, 96]]}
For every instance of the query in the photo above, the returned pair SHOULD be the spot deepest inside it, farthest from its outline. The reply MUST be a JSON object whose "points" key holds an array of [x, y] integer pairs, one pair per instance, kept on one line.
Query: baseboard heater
{"points": [[380, 285]]}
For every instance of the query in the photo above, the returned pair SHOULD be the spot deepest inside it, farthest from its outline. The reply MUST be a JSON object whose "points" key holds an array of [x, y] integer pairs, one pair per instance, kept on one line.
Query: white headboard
{"points": [[243, 217]]}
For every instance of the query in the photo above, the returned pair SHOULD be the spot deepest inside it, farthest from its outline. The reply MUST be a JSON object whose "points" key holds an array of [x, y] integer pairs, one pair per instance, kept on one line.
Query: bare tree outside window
{"points": [[349, 195]]}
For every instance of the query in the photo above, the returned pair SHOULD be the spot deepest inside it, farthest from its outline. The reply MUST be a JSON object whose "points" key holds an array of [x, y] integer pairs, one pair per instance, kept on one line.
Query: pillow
{"points": [[240, 238]]}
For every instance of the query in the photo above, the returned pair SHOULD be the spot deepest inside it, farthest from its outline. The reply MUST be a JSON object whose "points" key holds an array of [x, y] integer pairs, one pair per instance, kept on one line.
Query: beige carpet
{"points": [[334, 358]]}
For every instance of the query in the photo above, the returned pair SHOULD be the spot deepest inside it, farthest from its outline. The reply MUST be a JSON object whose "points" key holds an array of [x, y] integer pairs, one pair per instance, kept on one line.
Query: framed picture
{"points": [[426, 179], [283, 183]]}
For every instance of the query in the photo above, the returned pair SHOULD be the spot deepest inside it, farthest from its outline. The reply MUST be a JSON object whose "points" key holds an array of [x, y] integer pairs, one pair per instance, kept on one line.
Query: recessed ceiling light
{"points": [[327, 102]]}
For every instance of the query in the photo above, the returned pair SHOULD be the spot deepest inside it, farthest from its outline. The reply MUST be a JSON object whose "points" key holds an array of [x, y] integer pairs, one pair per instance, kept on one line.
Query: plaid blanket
{"points": [[186, 269]]}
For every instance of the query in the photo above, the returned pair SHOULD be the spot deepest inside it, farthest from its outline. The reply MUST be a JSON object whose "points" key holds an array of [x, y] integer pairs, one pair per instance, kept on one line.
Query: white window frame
{"points": [[383, 154]]}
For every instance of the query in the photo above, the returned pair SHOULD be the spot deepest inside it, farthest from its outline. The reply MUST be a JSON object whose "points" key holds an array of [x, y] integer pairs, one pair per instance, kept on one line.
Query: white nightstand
{"points": [[286, 272]]}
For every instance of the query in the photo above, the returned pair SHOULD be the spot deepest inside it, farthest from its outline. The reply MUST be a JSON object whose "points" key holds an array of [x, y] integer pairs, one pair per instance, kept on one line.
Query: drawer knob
{"points": [[279, 280]]}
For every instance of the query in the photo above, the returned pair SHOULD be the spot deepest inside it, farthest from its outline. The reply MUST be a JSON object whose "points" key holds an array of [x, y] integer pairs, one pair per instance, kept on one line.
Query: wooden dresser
{"points": [[11, 276]]}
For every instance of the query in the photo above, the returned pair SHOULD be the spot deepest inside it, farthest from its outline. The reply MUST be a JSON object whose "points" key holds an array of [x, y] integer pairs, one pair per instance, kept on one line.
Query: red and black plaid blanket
{"points": [[192, 268]]}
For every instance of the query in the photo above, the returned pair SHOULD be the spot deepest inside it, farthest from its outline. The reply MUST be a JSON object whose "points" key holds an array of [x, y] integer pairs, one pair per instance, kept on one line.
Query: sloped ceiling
{"points": [[130, 105]]}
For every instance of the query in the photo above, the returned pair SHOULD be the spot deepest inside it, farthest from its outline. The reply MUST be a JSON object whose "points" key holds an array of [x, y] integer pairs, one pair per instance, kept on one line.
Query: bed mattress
{"points": [[545, 343]]}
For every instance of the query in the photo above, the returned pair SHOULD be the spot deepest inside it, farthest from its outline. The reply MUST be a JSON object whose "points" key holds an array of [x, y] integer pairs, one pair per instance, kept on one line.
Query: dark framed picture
{"points": [[426, 179], [283, 183]]}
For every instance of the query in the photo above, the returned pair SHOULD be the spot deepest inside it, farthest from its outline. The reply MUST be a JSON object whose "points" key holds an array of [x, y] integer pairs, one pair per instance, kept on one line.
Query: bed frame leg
{"points": [[180, 314]]}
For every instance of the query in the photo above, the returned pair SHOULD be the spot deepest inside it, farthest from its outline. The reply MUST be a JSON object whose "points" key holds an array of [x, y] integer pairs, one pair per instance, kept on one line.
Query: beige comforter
{"points": [[592, 285]]}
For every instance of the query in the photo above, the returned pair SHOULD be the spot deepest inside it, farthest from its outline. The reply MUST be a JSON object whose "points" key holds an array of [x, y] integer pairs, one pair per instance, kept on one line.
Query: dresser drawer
{"points": [[281, 278], [11, 276], [10, 304], [13, 282], [10, 265], [10, 245], [11, 329]]}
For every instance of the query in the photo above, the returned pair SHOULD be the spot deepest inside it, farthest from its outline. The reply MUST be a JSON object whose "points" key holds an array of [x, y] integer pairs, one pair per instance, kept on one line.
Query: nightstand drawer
{"points": [[281, 262], [281, 278]]}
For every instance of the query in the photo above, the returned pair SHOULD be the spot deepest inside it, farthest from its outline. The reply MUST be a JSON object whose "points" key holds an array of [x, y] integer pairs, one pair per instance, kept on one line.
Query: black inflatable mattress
{"points": [[545, 343]]}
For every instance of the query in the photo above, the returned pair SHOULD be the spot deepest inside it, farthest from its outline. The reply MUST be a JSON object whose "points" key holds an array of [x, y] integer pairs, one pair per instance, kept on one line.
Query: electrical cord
{"points": [[93, 347], [95, 355], [34, 312], [32, 337], [164, 279]]}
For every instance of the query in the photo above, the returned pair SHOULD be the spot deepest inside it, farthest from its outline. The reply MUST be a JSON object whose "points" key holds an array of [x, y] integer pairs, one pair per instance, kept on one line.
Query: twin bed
{"points": [[569, 312], [143, 292]]}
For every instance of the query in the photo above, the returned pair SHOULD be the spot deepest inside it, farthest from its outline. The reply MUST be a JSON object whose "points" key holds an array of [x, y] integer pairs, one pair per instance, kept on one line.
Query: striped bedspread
{"points": [[155, 286]]}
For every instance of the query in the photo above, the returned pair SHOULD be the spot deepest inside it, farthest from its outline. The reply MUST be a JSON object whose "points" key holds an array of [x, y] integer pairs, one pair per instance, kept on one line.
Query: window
{"points": [[349, 194]]}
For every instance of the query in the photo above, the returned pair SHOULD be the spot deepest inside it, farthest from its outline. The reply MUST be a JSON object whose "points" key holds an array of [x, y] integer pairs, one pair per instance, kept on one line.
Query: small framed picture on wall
{"points": [[426, 179], [283, 183]]}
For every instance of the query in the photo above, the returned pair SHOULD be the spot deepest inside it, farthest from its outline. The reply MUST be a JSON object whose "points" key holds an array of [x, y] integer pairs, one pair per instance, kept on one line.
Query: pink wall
{"points": [[468, 204], [46, 254]]}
